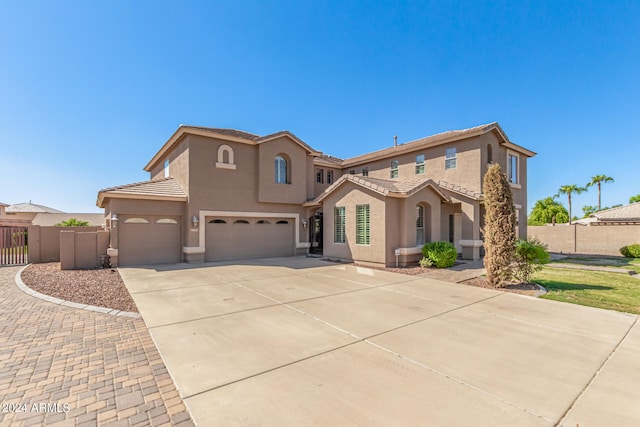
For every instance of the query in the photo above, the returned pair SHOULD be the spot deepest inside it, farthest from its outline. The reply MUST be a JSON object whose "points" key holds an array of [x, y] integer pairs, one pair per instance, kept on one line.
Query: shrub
{"points": [[528, 258], [426, 263], [499, 226], [441, 254], [631, 251], [72, 223]]}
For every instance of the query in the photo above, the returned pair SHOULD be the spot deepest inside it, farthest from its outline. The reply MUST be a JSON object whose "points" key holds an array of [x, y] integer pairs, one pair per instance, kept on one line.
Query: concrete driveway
{"points": [[300, 341]]}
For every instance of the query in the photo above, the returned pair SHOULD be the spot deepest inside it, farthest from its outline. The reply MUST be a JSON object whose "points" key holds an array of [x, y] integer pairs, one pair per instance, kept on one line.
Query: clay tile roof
{"points": [[461, 190], [53, 219], [325, 158], [381, 186], [622, 213], [228, 132], [31, 207], [160, 189]]}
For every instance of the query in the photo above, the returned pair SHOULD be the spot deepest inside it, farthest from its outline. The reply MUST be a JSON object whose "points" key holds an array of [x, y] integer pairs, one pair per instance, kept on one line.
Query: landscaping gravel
{"points": [[102, 288]]}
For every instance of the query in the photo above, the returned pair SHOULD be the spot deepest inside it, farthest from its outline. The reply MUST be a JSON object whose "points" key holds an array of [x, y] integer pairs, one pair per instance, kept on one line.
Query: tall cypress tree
{"points": [[499, 226]]}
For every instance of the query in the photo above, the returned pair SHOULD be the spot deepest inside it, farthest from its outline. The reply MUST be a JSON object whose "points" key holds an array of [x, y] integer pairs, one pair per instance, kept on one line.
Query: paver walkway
{"points": [[67, 367]]}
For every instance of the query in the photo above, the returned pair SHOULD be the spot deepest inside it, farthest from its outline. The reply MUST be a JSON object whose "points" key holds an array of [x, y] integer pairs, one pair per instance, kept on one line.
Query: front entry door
{"points": [[315, 234]]}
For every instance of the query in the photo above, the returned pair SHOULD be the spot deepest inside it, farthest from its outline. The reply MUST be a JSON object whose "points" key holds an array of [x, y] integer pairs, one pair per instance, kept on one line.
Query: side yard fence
{"points": [[73, 247], [590, 240]]}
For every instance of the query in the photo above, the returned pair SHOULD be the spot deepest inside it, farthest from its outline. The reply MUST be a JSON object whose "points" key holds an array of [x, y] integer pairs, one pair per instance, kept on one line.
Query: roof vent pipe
{"points": [[395, 140]]}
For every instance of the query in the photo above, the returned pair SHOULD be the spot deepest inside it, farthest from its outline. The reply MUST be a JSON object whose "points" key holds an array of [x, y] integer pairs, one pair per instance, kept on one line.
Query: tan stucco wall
{"points": [[320, 187], [44, 242], [297, 162], [596, 240], [178, 165], [350, 195], [467, 173], [82, 250]]}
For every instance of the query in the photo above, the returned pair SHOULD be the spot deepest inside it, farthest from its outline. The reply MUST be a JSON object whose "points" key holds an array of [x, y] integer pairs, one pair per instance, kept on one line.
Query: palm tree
{"points": [[568, 190], [598, 180]]}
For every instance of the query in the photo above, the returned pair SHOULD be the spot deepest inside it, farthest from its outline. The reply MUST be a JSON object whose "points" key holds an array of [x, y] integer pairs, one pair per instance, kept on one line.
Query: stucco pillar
{"points": [[471, 242]]}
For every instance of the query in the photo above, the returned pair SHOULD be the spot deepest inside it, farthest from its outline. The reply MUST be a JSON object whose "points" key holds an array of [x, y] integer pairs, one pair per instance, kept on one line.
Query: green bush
{"points": [[426, 263], [529, 257], [441, 254], [631, 251]]}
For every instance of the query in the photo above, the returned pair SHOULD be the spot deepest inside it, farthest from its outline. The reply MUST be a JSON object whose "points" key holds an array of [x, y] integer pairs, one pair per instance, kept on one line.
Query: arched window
{"points": [[241, 221], [281, 170], [419, 225], [217, 221], [225, 157], [489, 153]]}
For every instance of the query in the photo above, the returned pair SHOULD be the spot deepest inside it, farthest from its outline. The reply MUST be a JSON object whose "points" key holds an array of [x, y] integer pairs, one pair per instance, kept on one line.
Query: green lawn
{"points": [[613, 291], [619, 262]]}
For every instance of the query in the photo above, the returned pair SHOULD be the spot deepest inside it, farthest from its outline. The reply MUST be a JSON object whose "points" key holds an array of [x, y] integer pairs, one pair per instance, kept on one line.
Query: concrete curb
{"points": [[27, 290]]}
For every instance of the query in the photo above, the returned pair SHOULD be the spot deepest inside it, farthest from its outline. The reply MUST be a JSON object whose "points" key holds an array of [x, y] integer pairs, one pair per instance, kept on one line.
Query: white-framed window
{"points": [[281, 170], [394, 169], [450, 158], [365, 171], [339, 224], [329, 177], [419, 164], [512, 168], [362, 225], [166, 169], [320, 176]]}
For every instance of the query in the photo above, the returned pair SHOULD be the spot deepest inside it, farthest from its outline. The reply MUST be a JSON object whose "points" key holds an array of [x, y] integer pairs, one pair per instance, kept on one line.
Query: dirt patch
{"points": [[530, 289], [102, 288]]}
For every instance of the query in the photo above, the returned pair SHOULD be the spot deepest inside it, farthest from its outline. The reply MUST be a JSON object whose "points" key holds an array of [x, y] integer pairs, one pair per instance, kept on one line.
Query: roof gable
{"points": [[380, 186], [232, 135]]}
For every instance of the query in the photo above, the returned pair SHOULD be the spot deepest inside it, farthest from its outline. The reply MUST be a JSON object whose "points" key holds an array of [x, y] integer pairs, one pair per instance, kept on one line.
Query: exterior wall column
{"points": [[471, 242]]}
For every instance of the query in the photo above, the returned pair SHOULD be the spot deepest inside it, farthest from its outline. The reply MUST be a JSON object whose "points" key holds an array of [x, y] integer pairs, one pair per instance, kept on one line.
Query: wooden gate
{"points": [[13, 245]]}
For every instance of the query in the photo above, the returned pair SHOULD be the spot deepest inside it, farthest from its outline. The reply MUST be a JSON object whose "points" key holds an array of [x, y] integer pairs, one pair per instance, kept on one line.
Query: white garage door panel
{"points": [[237, 240], [156, 241]]}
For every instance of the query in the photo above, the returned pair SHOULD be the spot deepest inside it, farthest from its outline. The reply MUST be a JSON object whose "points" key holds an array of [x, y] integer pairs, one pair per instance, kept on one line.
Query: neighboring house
{"points": [[218, 194], [622, 215], [22, 214], [51, 219]]}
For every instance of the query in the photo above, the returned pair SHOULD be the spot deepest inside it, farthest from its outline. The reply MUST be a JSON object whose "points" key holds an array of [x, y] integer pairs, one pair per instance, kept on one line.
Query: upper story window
{"points": [[419, 164], [394, 169], [352, 172], [489, 153], [450, 158], [365, 171], [512, 168], [166, 169], [320, 176], [329, 177], [281, 170]]}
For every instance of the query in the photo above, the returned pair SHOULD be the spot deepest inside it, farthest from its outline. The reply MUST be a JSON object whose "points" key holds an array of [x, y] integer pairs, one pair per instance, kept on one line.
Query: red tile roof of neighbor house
{"points": [[160, 189], [49, 219], [30, 208], [622, 213]]}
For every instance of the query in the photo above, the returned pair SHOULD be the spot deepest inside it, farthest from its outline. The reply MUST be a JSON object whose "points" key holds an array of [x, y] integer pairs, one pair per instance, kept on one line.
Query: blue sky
{"points": [[90, 90]]}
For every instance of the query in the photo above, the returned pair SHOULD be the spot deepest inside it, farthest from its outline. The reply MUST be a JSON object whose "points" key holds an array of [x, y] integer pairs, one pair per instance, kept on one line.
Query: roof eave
{"points": [[103, 196]]}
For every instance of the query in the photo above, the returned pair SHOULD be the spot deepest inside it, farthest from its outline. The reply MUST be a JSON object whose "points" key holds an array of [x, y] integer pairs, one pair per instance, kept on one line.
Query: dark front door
{"points": [[315, 233]]}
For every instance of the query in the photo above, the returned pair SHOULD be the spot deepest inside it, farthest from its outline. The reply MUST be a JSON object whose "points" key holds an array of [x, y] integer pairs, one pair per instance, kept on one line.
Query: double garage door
{"points": [[236, 238], [149, 240]]}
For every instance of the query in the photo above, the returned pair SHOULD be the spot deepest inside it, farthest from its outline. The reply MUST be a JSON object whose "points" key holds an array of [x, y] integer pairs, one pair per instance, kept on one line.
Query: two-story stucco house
{"points": [[220, 194]]}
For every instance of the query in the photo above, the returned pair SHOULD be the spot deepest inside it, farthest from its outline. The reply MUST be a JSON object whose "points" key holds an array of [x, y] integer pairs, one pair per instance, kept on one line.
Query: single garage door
{"points": [[149, 240], [238, 238]]}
